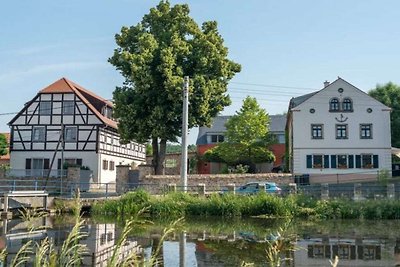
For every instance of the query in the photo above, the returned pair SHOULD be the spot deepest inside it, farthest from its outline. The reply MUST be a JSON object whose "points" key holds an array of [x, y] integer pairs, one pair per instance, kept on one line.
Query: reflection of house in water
{"points": [[100, 240], [354, 251]]}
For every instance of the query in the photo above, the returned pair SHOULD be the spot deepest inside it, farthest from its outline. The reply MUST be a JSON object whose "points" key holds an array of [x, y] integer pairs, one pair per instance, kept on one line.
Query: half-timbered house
{"points": [[77, 124]]}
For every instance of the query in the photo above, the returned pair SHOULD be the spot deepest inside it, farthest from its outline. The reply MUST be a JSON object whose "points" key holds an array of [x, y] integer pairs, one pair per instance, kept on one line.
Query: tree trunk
{"points": [[154, 144], [161, 157]]}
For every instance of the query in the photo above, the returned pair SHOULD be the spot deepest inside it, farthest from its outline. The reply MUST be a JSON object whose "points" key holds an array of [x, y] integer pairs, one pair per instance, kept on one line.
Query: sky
{"points": [[286, 48]]}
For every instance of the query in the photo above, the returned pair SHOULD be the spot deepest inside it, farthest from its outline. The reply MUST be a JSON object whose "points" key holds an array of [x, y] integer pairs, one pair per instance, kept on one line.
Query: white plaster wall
{"points": [[108, 176], [17, 160], [300, 160]]}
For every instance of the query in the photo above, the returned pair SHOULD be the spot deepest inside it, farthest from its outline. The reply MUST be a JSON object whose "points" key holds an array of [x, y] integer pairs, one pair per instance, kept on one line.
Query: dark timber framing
{"points": [[88, 135]]}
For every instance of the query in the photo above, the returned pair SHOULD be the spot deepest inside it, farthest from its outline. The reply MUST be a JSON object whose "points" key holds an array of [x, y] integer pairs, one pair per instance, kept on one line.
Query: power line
{"points": [[276, 86]]}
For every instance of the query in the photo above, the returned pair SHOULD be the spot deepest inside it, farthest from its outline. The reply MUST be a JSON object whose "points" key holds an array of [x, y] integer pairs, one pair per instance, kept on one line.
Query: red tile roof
{"points": [[7, 156], [93, 101]]}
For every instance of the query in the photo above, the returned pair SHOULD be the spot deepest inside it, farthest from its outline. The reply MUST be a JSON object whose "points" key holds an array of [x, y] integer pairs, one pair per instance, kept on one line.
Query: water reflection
{"points": [[222, 243], [100, 239]]}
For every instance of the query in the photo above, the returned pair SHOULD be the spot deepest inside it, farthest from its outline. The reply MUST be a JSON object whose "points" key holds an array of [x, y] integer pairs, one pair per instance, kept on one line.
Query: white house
{"points": [[338, 133], [89, 134]]}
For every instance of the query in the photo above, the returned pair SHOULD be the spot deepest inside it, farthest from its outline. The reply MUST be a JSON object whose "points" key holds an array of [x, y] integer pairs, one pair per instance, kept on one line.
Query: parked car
{"points": [[254, 188]]}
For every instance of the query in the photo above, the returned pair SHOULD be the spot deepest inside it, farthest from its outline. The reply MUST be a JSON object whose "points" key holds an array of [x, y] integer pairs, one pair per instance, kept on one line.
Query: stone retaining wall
{"points": [[215, 181]]}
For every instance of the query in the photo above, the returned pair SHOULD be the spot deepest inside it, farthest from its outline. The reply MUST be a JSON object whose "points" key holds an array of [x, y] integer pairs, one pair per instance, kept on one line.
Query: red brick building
{"points": [[5, 159]]}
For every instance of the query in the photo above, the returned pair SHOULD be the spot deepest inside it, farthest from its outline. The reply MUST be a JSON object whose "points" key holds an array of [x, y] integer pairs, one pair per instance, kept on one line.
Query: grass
{"points": [[175, 205], [179, 204]]}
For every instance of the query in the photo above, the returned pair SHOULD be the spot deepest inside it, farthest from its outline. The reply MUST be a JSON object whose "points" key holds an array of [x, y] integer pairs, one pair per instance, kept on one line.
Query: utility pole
{"points": [[185, 117], [62, 156]]}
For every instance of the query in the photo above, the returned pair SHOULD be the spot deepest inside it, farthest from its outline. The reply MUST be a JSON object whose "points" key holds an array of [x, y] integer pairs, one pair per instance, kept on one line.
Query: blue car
{"points": [[254, 188]]}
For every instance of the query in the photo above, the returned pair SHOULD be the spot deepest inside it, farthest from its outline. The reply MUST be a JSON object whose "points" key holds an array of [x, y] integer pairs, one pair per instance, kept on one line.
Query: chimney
{"points": [[326, 83]]}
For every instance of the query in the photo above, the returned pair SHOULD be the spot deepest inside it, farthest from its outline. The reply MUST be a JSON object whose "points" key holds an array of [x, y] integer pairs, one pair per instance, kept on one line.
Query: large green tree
{"points": [[153, 57], [389, 94], [3, 145], [247, 137]]}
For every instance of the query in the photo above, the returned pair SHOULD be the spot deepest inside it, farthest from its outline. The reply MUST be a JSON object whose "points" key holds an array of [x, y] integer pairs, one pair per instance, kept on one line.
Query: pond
{"points": [[217, 242]]}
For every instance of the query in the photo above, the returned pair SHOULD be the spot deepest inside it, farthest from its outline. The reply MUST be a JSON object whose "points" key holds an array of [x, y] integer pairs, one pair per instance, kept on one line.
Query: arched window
{"points": [[334, 104], [347, 104]]}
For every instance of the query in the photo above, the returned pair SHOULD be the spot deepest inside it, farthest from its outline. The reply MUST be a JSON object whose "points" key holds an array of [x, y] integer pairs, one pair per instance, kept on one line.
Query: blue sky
{"points": [[293, 43]]}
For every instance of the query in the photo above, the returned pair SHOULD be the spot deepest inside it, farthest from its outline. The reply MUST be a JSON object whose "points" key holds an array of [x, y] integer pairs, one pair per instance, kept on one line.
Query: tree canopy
{"points": [[389, 94], [3, 145], [153, 57], [247, 137]]}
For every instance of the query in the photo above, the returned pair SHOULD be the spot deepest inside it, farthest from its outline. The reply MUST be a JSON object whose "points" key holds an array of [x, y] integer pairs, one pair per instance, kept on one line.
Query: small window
{"points": [[341, 131], [107, 112], [70, 134], [366, 161], [342, 162], [103, 239], [45, 108], [110, 237], [38, 133], [112, 165], [347, 105], [317, 131], [281, 138], [217, 138], [366, 131], [105, 165], [334, 104], [68, 107]]}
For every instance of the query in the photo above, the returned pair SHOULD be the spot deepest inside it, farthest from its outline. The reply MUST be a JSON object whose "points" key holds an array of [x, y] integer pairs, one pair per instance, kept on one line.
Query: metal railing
{"points": [[89, 189]]}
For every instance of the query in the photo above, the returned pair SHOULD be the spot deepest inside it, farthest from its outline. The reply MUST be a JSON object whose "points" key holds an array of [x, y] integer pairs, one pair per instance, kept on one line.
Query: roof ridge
{"points": [[81, 88]]}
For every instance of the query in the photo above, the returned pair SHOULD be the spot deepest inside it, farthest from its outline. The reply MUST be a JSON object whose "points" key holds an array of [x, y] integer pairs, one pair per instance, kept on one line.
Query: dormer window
{"points": [[334, 104], [216, 138], [107, 112], [347, 104]]}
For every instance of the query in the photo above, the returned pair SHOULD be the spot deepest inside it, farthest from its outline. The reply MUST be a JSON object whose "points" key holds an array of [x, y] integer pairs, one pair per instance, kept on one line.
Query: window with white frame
{"points": [[342, 161], [366, 131], [70, 133], [341, 131], [317, 131], [318, 161], [38, 133], [367, 161], [347, 105], [217, 138], [334, 104]]}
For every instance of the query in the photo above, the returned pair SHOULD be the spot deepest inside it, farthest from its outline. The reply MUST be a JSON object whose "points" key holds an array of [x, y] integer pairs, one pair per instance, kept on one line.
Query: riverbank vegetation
{"points": [[176, 205]]}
